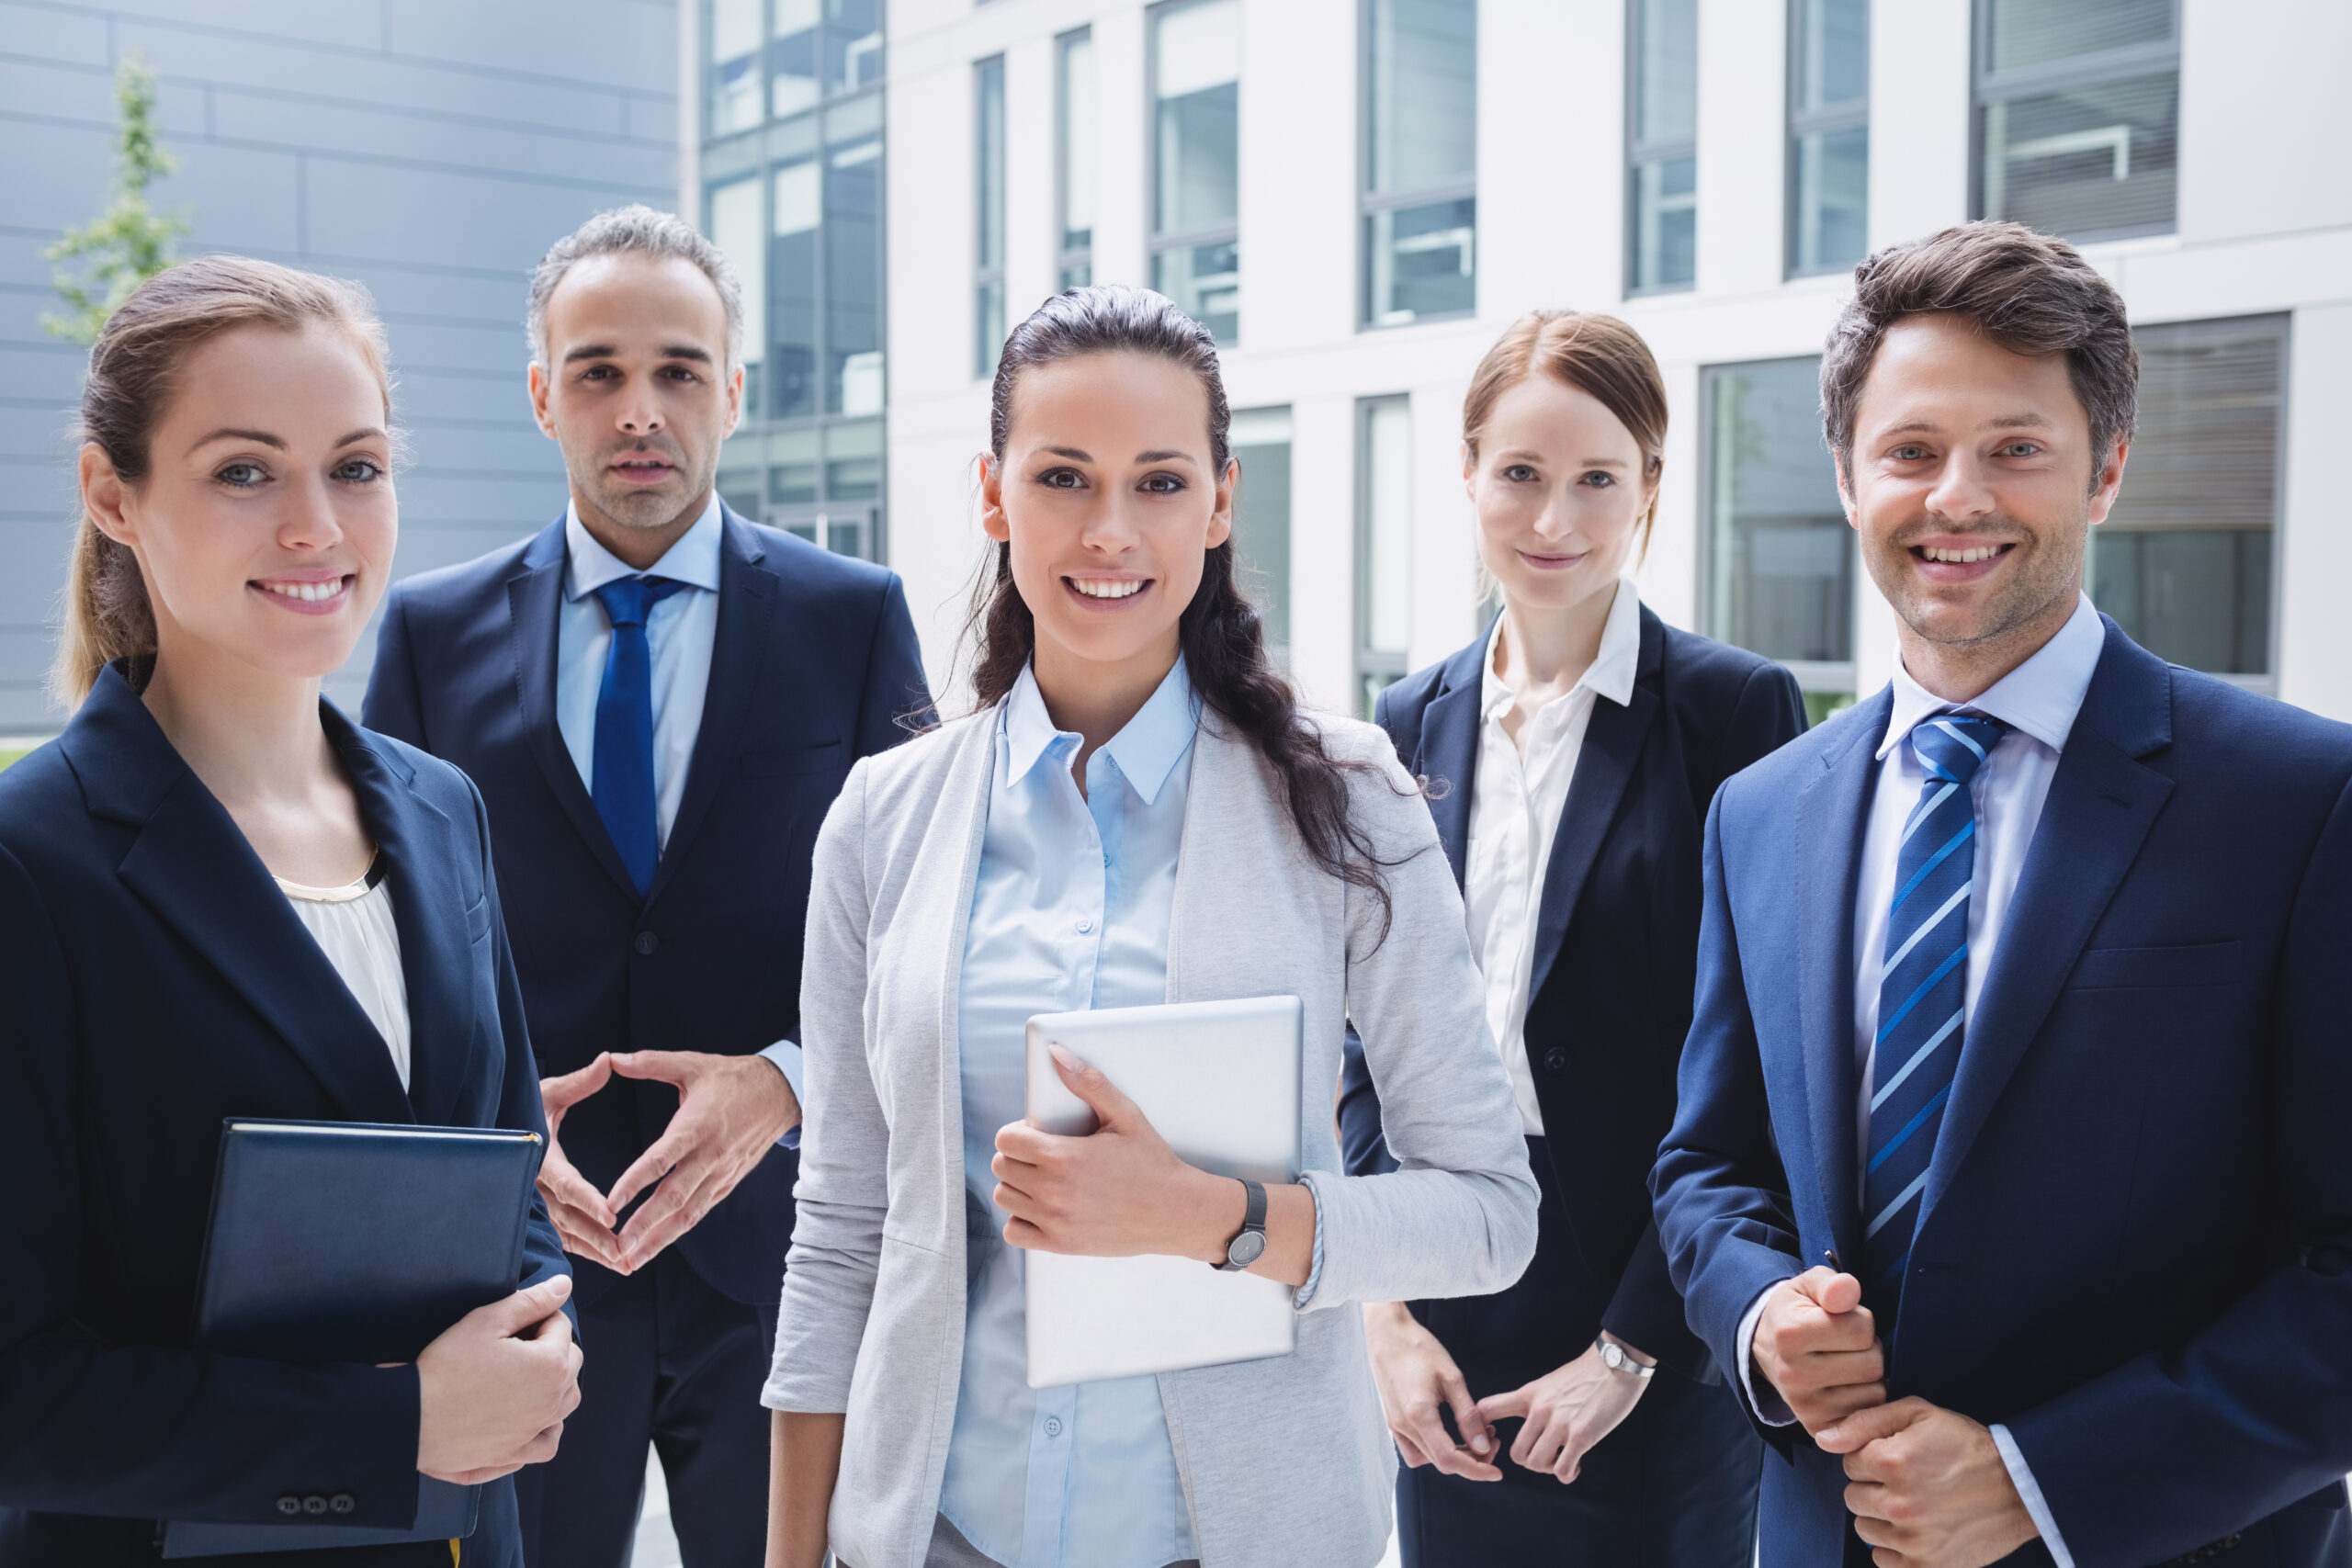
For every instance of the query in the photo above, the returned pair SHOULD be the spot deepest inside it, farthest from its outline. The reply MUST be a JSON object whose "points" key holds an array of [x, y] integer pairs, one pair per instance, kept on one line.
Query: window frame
{"points": [[1390, 664], [1640, 154], [988, 189], [1850, 114], [1069, 259], [1370, 202], [1156, 243], [1986, 87]]}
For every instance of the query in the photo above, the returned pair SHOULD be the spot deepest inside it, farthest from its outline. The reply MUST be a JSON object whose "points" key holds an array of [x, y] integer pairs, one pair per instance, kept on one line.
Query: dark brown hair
{"points": [[1219, 632], [1598, 355], [2026, 291], [133, 377]]}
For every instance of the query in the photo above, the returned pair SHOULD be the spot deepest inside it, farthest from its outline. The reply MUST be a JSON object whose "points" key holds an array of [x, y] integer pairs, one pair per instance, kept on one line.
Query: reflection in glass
{"points": [[734, 228], [792, 466], [734, 75], [1199, 171], [1833, 172], [1422, 94], [2094, 160], [1260, 443], [1666, 223], [853, 278], [1666, 70], [1780, 577], [1662, 195], [1420, 261], [1206, 283], [1074, 131], [792, 272], [853, 44], [793, 82], [1829, 134], [987, 218], [854, 460], [1384, 545], [2036, 32]]}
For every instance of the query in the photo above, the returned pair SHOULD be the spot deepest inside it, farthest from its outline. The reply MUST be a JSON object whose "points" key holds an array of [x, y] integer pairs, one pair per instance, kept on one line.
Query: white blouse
{"points": [[1522, 789], [353, 926]]}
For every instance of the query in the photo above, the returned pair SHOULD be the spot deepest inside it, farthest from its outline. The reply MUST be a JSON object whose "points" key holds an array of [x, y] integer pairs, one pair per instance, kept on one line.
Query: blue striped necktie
{"points": [[621, 764], [1922, 992]]}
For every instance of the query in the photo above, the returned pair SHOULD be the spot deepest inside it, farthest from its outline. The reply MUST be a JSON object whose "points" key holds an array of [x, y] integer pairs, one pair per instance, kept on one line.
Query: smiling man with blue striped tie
{"points": [[2009, 1171]]}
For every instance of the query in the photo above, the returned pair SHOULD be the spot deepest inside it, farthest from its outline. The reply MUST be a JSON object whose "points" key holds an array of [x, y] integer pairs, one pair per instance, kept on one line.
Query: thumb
{"points": [[523, 1308], [1511, 1406], [1833, 1293], [1864, 1428], [1102, 1096], [662, 1065]]}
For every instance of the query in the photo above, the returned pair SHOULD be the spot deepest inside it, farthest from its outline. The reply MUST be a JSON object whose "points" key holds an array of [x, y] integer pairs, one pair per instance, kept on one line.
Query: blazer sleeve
{"points": [[895, 688], [1720, 1195], [844, 1193], [393, 705], [2187, 1445], [1457, 1216], [145, 1431]]}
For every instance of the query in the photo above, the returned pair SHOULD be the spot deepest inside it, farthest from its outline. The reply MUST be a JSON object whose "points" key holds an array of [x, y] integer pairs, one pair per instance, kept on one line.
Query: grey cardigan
{"points": [[1283, 1461]]}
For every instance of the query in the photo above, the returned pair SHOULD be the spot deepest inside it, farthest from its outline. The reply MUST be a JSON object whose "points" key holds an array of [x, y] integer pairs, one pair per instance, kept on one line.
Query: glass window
{"points": [[854, 278], [1829, 136], [1383, 545], [798, 218], [734, 74], [733, 225], [853, 45], [793, 83], [1662, 145], [1074, 126], [1260, 442], [1780, 560], [792, 466], [1420, 159], [1196, 96], [2078, 114], [854, 460], [987, 219], [2184, 562]]}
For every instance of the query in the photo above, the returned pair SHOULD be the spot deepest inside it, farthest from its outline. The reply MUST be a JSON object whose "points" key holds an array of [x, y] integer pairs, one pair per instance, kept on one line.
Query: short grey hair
{"points": [[642, 231]]}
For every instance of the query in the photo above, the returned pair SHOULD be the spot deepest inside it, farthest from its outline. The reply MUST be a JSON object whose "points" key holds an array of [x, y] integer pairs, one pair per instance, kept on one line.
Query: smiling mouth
{"points": [[1108, 587], [307, 593], [1968, 557]]}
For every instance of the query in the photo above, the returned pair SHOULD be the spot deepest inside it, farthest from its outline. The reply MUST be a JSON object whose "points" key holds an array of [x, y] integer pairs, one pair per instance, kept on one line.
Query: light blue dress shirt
{"points": [[679, 633], [1070, 910]]}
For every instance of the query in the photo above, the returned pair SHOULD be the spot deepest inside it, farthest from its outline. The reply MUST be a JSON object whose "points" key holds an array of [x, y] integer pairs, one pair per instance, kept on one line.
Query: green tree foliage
{"points": [[130, 242]]}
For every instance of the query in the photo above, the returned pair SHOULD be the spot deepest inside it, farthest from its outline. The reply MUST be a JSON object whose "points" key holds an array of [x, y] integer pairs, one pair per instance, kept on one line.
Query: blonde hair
{"points": [[1594, 353], [133, 380]]}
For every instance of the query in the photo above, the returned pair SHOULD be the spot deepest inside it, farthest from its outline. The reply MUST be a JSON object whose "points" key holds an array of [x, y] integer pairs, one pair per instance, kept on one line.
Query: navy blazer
{"points": [[2136, 1243], [157, 982], [814, 665], [1616, 935]]}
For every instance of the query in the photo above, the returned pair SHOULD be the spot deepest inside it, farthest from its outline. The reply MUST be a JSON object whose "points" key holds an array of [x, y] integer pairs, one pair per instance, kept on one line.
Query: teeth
{"points": [[1982, 552], [1105, 588], [309, 592]]}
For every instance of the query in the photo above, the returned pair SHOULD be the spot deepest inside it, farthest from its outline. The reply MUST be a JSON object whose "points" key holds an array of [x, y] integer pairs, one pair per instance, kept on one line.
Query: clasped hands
{"points": [[1926, 1486], [731, 1109]]}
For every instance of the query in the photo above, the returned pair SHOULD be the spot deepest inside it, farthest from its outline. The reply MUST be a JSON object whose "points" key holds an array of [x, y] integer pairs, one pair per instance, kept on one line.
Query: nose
{"points": [[306, 520], [1557, 520], [639, 414], [1961, 491], [1109, 529]]}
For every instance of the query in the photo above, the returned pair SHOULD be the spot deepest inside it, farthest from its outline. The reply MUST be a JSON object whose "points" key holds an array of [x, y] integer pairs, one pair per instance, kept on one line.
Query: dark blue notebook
{"points": [[343, 1241]]}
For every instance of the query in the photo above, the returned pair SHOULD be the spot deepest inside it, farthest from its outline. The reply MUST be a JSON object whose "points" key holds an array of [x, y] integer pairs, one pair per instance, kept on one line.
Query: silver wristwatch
{"points": [[1613, 1357]]}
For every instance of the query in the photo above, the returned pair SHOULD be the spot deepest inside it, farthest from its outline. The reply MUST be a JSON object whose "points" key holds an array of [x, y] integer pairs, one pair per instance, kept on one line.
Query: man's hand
{"points": [[1814, 1343], [1415, 1374], [1928, 1487], [1567, 1412], [582, 1216], [731, 1109]]}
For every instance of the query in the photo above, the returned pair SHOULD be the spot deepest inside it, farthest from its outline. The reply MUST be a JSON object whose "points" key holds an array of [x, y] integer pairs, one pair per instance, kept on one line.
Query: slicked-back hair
{"points": [[2028, 292], [635, 230]]}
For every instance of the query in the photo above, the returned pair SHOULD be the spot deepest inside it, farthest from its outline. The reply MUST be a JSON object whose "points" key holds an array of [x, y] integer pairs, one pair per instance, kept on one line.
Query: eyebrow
{"points": [[1582, 463], [606, 351], [263, 439], [2007, 421]]}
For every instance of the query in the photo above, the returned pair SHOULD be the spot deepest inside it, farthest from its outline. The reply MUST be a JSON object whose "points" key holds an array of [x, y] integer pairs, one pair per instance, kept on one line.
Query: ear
{"points": [[104, 496], [993, 522], [1221, 520], [1469, 472], [734, 401], [2109, 482], [541, 388], [1844, 490]]}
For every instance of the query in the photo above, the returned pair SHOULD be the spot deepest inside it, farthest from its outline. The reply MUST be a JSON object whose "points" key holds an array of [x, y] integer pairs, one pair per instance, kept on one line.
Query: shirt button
{"points": [[646, 944], [1053, 1426], [1556, 1060], [1084, 927]]}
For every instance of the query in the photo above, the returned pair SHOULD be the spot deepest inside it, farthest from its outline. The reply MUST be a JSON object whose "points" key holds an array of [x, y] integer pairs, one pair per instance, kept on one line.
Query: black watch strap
{"points": [[1251, 1244]]}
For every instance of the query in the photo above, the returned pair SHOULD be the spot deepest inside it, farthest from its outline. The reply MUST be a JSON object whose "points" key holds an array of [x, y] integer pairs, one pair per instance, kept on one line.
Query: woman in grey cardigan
{"points": [[1139, 812]]}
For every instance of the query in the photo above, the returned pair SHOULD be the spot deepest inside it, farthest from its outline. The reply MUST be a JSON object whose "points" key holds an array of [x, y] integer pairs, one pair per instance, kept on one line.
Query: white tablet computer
{"points": [[1220, 1081]]}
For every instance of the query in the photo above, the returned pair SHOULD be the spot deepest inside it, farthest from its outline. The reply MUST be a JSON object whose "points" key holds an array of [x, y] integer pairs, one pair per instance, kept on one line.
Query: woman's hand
{"points": [[1568, 1411], [493, 1389], [1116, 1192], [1414, 1375]]}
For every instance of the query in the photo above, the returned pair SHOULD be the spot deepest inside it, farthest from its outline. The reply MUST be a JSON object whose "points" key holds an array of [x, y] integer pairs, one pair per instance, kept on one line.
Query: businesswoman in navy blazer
{"points": [[218, 897], [1570, 754]]}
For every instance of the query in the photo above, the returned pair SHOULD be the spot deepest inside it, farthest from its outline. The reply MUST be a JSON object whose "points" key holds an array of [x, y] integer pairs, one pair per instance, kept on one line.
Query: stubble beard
{"points": [[2047, 572], [649, 511]]}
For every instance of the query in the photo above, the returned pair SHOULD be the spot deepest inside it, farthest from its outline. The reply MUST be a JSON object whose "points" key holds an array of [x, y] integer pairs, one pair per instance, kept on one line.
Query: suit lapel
{"points": [[1449, 750], [1614, 737], [1831, 816], [747, 600], [2101, 803], [534, 595], [192, 865]]}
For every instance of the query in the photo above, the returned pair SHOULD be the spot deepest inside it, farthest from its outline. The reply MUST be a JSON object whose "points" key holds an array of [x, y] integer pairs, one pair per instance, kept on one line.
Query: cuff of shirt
{"points": [[2020, 1477], [785, 1054], [1769, 1408], [1315, 1267]]}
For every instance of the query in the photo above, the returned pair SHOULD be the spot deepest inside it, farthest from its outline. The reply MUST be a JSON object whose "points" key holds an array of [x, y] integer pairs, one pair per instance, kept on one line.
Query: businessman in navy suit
{"points": [[659, 700], [2010, 1161]]}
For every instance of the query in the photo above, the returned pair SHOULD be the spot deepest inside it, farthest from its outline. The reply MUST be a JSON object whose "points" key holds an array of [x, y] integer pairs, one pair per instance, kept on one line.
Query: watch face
{"points": [[1247, 1248]]}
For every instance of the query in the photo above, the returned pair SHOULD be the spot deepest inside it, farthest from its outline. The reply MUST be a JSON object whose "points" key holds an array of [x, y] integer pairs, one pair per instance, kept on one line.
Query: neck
{"points": [[1096, 698], [1548, 651], [637, 548], [1962, 672], [251, 735]]}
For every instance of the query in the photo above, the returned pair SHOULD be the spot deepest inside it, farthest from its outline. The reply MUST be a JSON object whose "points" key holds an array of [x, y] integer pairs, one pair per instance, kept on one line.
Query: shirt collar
{"points": [[692, 558], [2040, 696], [1147, 750], [1609, 675]]}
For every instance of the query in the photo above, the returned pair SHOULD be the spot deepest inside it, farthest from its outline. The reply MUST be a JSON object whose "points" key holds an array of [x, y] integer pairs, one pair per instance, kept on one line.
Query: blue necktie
{"points": [[621, 772], [1923, 987]]}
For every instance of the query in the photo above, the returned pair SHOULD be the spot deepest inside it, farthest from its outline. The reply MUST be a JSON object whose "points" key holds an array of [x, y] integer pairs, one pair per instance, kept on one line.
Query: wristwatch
{"points": [[1251, 1244], [1613, 1357]]}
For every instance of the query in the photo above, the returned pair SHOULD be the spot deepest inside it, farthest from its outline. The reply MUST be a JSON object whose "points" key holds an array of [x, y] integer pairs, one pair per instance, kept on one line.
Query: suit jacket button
{"points": [[1556, 1060], [646, 943], [315, 1503], [289, 1504], [342, 1502]]}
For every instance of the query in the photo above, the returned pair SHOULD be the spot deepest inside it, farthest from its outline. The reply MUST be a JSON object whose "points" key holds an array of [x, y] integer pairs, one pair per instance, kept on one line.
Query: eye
{"points": [[1062, 479], [2022, 449], [680, 373], [1909, 452], [1520, 474], [1599, 479], [1162, 484], [240, 475], [359, 471], [598, 373]]}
